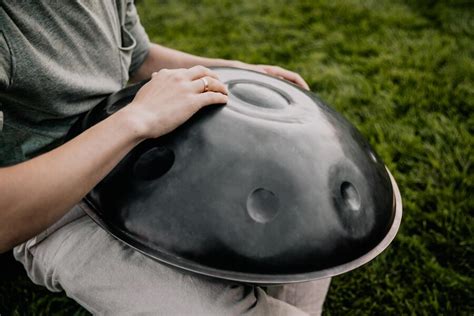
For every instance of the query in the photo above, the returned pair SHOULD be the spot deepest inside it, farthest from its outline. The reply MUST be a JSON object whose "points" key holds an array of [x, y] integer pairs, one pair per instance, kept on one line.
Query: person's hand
{"points": [[277, 72], [172, 96]]}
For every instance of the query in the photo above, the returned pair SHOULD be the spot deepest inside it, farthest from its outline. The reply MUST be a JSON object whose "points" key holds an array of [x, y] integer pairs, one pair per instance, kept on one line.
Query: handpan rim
{"points": [[254, 278]]}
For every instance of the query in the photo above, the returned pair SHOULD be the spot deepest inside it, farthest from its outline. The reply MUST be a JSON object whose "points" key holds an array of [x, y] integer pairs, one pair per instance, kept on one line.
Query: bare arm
{"points": [[36, 193], [160, 57]]}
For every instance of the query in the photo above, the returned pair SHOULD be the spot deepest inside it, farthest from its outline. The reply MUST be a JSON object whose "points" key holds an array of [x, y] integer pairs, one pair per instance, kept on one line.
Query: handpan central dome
{"points": [[274, 187]]}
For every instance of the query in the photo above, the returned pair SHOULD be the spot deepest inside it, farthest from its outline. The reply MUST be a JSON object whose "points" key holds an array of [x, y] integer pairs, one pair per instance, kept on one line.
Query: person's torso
{"points": [[63, 57]]}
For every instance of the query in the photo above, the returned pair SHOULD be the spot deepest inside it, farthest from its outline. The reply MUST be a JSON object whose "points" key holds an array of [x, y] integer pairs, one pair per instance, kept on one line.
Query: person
{"points": [[57, 60]]}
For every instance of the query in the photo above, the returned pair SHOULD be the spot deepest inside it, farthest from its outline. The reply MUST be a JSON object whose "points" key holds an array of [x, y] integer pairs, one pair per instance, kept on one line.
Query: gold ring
{"points": [[206, 84]]}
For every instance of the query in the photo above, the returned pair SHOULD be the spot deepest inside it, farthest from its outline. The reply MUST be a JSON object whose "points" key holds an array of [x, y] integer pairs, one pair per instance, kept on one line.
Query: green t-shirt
{"points": [[57, 60]]}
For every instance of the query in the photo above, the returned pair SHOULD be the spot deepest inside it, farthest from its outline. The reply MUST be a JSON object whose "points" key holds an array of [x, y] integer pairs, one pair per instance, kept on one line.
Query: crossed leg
{"points": [[109, 278]]}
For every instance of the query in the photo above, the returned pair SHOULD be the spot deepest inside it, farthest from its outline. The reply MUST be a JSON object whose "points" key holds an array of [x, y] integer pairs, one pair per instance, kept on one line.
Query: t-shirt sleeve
{"points": [[133, 25]]}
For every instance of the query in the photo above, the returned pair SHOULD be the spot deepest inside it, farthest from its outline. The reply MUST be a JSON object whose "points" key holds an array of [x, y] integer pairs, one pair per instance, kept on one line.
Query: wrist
{"points": [[130, 119]]}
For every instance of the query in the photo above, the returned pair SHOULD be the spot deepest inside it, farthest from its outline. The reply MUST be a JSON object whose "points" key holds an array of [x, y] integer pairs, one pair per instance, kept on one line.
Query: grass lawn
{"points": [[403, 73]]}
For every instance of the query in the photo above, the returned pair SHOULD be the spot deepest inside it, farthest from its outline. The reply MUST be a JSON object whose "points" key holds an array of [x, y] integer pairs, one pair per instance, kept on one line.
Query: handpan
{"points": [[274, 187]]}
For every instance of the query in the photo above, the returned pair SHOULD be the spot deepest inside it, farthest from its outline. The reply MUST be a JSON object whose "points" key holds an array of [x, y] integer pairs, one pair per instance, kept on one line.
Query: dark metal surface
{"points": [[274, 187]]}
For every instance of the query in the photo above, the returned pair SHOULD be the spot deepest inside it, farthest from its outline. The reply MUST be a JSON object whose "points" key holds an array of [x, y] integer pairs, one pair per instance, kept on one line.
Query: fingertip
{"points": [[223, 99], [209, 98]]}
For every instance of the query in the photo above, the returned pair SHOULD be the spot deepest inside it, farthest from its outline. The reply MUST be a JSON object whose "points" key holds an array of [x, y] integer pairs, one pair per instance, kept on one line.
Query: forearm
{"points": [[160, 57], [38, 192]]}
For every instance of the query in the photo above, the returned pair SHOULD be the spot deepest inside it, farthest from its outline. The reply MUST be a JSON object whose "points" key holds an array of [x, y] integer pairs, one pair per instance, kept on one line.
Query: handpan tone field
{"points": [[274, 187]]}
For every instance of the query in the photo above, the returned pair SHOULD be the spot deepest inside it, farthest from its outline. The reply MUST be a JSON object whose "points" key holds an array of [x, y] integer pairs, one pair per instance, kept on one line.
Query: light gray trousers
{"points": [[107, 277]]}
